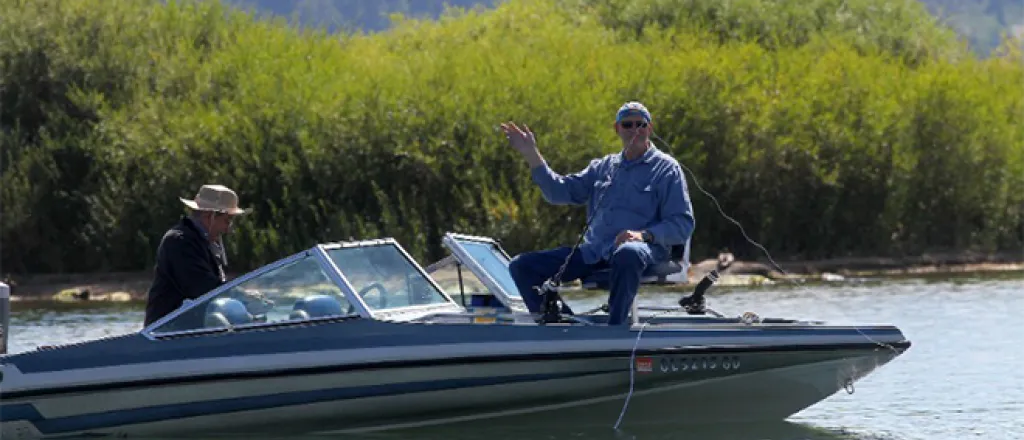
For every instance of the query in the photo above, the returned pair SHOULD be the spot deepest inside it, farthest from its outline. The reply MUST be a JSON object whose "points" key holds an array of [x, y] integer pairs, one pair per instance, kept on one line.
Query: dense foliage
{"points": [[338, 16], [823, 137], [980, 23]]}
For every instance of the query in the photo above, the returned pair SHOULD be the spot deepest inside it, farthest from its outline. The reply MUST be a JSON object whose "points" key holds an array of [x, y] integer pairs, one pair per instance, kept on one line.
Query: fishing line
{"points": [[557, 279], [748, 318], [632, 361], [786, 275], [758, 245], [551, 285]]}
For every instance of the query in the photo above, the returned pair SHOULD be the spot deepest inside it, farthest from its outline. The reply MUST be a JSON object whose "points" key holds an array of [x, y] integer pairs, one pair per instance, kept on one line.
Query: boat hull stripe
{"points": [[431, 363], [94, 421]]}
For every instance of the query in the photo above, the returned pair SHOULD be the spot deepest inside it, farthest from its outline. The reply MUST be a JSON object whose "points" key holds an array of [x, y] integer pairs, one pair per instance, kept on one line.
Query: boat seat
{"points": [[485, 301], [656, 273], [226, 312], [316, 306]]}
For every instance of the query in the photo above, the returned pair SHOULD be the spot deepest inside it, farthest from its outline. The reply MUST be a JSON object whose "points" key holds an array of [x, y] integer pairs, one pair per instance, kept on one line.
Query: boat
{"points": [[355, 337]]}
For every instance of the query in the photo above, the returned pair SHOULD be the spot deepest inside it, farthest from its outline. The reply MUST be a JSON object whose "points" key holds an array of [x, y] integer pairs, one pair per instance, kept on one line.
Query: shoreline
{"points": [[132, 286], [929, 263]]}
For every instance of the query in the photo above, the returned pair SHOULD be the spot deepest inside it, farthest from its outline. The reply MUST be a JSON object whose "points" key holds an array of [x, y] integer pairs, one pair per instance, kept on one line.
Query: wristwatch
{"points": [[648, 238]]}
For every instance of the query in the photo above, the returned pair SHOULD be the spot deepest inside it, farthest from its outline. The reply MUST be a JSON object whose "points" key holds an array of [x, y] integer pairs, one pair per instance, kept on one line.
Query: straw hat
{"points": [[217, 198]]}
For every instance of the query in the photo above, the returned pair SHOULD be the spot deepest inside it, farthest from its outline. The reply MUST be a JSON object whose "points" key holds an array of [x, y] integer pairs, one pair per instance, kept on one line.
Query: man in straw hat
{"points": [[190, 260]]}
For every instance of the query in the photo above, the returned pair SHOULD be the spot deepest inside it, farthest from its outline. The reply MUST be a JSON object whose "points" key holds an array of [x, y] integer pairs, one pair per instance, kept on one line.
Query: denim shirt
{"points": [[647, 193]]}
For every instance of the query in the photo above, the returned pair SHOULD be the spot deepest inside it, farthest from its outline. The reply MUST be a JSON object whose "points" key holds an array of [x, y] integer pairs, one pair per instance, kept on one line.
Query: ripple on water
{"points": [[38, 326], [962, 379]]}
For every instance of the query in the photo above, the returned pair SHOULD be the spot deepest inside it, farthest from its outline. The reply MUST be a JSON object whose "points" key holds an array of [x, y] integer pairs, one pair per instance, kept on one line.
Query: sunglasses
{"points": [[630, 124], [230, 218]]}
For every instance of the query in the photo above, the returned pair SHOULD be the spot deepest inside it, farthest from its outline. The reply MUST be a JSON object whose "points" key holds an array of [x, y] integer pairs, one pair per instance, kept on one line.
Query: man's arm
{"points": [[573, 189], [677, 221], [188, 267]]}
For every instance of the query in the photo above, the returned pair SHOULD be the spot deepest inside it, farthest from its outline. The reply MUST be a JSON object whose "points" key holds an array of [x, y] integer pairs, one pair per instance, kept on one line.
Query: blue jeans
{"points": [[627, 263]]}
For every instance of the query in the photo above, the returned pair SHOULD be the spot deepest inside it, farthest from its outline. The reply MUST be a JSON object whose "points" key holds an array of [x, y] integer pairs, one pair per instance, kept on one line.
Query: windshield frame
{"points": [[397, 313], [452, 240], [150, 330], [334, 274]]}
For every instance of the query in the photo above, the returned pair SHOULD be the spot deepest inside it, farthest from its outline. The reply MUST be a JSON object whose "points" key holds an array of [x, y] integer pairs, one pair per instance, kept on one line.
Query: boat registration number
{"points": [[683, 364]]}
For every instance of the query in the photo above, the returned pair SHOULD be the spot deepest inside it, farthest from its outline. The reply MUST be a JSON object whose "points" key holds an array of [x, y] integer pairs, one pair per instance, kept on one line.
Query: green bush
{"points": [[904, 29], [840, 137]]}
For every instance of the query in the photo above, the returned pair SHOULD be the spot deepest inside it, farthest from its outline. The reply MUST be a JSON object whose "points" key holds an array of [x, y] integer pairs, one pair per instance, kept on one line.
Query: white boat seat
{"points": [[226, 312], [315, 306]]}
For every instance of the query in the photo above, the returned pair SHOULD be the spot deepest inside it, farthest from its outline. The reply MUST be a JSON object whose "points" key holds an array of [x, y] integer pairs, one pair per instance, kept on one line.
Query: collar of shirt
{"points": [[647, 157], [200, 227]]}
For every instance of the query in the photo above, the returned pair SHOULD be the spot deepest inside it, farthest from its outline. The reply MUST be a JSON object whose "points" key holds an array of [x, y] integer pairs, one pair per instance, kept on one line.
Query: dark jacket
{"points": [[186, 268]]}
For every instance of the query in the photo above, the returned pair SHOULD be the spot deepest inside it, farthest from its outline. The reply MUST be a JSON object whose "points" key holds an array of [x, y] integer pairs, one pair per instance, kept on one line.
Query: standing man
{"points": [[638, 207], [191, 258]]}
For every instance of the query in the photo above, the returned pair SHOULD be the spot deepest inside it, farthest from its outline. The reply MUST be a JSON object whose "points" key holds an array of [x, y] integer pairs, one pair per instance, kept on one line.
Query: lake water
{"points": [[962, 379]]}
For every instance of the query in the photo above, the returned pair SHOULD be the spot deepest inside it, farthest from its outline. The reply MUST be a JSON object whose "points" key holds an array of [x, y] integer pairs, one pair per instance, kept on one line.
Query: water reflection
{"points": [[592, 431], [602, 431], [47, 323]]}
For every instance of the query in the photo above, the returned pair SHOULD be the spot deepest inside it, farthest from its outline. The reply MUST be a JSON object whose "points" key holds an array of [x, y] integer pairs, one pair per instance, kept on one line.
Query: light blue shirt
{"points": [[647, 193]]}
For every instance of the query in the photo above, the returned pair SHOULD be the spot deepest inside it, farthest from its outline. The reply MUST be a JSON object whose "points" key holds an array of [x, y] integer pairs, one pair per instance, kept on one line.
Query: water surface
{"points": [[962, 379]]}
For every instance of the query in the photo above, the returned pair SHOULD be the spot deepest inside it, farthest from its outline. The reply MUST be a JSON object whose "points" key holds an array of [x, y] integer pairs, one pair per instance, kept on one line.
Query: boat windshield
{"points": [[489, 263], [384, 277], [296, 290], [494, 262]]}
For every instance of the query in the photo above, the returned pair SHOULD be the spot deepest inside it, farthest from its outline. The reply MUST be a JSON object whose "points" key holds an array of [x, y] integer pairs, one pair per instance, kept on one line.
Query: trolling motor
{"points": [[694, 304]]}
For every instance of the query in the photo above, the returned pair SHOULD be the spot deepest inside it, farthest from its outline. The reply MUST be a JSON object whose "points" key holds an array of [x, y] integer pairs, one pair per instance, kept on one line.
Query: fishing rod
{"points": [[694, 304], [552, 303]]}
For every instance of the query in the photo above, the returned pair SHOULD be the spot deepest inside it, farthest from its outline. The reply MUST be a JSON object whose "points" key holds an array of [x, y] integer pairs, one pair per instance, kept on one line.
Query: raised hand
{"points": [[523, 141]]}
